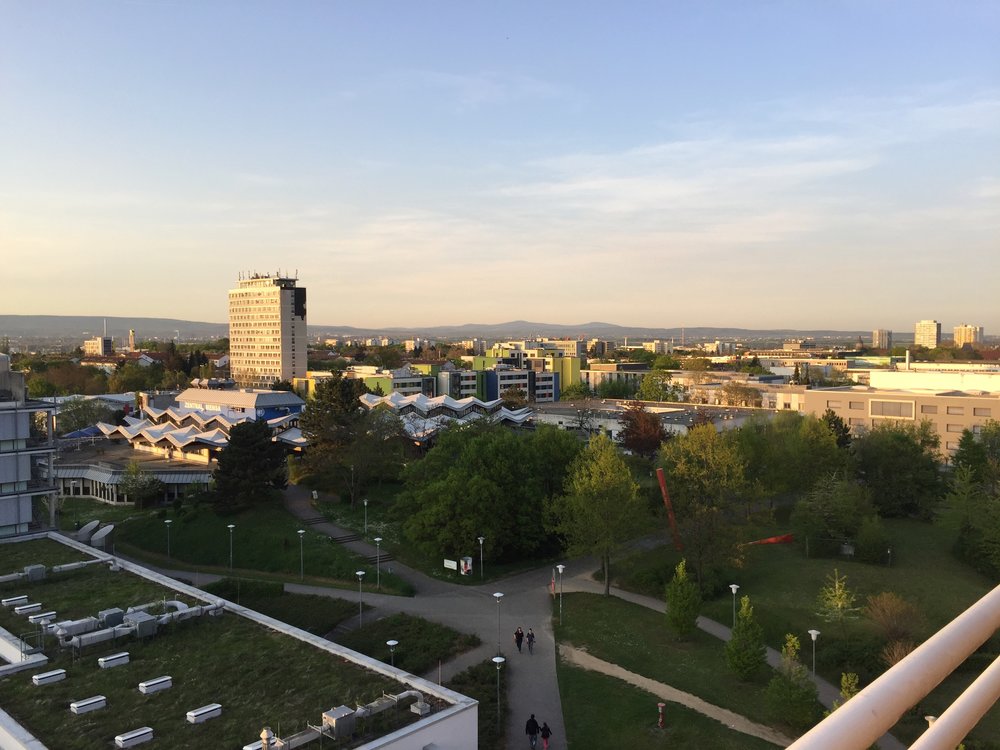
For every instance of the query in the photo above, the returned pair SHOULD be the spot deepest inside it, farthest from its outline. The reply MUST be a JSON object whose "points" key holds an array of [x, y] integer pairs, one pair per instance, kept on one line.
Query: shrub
{"points": [[872, 542], [894, 617]]}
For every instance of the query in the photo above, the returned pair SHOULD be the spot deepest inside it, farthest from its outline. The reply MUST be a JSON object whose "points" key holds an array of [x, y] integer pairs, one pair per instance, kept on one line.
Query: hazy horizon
{"points": [[783, 165]]}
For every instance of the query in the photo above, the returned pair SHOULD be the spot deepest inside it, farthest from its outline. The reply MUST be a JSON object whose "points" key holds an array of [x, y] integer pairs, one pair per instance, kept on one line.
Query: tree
{"points": [[683, 603], [330, 421], [839, 428], [139, 486], [283, 385], [706, 477], [575, 391], [830, 514], [250, 468], [836, 601], [613, 389], [746, 653], [376, 452], [740, 394], [899, 464], [666, 362], [642, 432], [514, 398], [78, 413], [601, 508], [481, 479], [655, 386], [791, 695]]}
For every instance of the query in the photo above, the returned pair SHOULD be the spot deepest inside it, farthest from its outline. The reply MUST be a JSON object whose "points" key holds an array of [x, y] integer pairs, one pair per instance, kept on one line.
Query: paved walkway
{"points": [[732, 720]]}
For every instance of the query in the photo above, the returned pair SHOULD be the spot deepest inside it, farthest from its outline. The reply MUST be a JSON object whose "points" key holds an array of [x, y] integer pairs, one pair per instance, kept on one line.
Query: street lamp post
{"points": [[481, 540], [814, 634], [498, 596], [560, 567], [302, 556], [361, 612], [498, 660], [378, 570], [392, 643], [734, 587], [231, 527], [167, 524], [366, 516]]}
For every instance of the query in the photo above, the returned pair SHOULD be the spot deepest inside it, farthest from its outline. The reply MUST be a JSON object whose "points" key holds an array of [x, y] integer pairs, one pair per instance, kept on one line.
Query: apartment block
{"points": [[267, 330], [99, 346], [26, 452], [881, 338], [967, 334], [927, 333]]}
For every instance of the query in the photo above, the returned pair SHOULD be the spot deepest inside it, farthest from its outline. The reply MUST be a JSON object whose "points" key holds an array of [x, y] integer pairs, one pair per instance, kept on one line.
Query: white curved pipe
{"points": [[876, 709]]}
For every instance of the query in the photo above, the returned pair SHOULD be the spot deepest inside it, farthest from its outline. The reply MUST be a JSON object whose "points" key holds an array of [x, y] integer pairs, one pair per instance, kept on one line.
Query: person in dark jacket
{"points": [[531, 729]]}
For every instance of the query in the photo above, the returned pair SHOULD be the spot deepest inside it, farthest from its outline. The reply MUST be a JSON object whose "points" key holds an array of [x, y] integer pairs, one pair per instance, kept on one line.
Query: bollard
{"points": [[660, 722]]}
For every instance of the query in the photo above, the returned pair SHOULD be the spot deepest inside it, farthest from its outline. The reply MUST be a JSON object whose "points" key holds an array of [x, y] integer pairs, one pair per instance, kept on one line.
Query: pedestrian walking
{"points": [[531, 729], [531, 641], [545, 732], [518, 638]]}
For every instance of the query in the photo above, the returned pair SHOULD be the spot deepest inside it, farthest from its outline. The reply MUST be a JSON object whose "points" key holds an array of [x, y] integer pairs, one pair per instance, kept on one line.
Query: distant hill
{"points": [[84, 326]]}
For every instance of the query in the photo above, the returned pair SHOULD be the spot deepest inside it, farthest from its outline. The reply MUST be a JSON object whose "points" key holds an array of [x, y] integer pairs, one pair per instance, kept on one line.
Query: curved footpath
{"points": [[533, 686]]}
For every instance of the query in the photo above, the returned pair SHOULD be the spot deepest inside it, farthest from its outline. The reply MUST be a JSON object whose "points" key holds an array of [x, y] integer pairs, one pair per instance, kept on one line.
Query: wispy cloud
{"points": [[474, 90]]}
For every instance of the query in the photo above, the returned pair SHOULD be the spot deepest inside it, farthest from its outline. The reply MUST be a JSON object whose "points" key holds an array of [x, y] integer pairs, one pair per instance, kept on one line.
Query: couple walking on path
{"points": [[534, 731], [519, 638]]}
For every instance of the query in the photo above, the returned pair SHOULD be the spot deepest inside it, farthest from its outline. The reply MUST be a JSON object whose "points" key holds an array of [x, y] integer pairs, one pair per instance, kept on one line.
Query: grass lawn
{"points": [[16, 555], [784, 585], [637, 638], [314, 614], [628, 716], [480, 682], [259, 676], [422, 644], [265, 540]]}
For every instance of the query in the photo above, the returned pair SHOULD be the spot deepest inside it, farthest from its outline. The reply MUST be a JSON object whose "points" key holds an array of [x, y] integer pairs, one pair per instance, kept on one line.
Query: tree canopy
{"points": [[484, 480], [642, 432], [250, 468], [600, 509]]}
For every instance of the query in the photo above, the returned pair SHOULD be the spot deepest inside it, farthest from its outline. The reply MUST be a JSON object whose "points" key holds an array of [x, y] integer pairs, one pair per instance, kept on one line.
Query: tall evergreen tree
{"points": [[250, 468], [746, 653]]}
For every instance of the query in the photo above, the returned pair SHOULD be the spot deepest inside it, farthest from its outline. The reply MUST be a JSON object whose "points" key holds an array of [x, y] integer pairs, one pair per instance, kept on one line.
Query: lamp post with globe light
{"points": [[498, 596], [361, 612], [814, 634], [560, 567], [302, 555], [231, 527], [167, 524], [481, 540], [498, 660], [392, 643], [378, 569], [734, 587]]}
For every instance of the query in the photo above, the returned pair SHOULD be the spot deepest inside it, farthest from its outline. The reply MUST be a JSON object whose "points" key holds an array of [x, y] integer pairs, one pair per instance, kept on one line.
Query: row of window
{"points": [[904, 409]]}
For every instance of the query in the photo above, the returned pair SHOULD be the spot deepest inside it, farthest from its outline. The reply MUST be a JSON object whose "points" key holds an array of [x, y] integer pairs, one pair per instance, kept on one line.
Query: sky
{"points": [[749, 164]]}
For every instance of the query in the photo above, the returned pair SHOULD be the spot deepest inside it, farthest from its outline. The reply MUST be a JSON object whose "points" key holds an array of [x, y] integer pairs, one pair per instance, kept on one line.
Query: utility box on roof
{"points": [[340, 720]]}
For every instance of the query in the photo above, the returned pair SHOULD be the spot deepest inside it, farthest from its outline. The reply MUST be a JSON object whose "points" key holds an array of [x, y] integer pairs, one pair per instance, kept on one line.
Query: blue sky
{"points": [[758, 164]]}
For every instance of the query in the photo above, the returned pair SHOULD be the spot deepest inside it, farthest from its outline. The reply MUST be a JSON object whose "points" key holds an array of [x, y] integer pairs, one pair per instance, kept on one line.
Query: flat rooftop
{"points": [[261, 671]]}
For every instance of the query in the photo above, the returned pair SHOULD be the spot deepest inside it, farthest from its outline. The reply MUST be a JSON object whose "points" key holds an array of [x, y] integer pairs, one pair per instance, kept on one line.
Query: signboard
{"points": [[466, 566], [451, 565]]}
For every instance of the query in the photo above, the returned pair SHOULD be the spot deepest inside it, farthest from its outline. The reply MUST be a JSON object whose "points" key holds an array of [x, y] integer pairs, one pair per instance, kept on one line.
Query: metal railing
{"points": [[858, 723]]}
